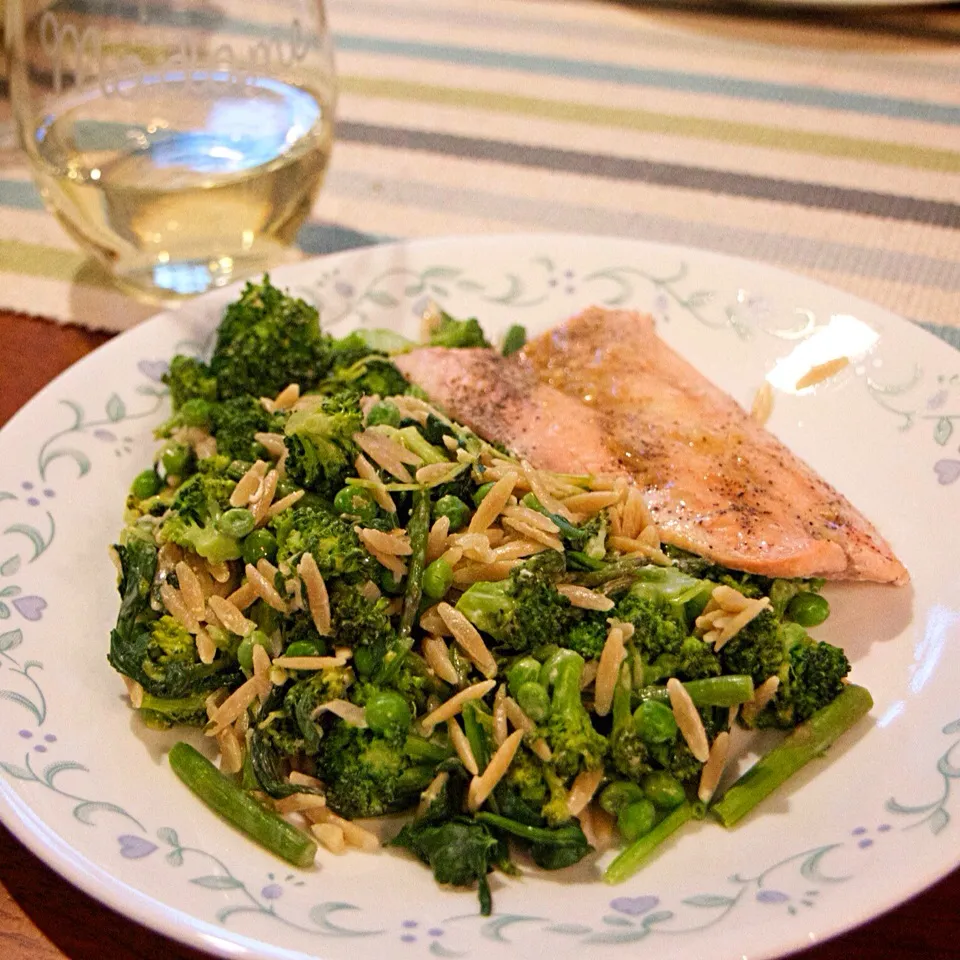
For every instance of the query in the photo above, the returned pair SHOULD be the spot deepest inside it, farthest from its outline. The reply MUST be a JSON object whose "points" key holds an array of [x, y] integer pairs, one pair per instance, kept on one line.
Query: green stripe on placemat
{"points": [[50, 263], [703, 128]]}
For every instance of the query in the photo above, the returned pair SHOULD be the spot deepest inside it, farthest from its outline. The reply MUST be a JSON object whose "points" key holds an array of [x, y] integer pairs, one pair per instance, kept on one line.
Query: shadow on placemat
{"points": [[838, 26]]}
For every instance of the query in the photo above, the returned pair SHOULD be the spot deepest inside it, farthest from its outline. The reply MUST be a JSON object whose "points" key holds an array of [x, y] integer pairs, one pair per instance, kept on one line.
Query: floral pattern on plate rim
{"points": [[791, 884]]}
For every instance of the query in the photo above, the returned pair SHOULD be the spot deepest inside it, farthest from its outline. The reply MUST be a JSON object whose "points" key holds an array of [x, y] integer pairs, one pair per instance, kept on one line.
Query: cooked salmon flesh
{"points": [[603, 394]]}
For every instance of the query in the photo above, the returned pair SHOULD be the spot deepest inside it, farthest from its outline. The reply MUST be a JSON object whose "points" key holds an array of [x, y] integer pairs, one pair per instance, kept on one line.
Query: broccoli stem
{"points": [[632, 857], [567, 529], [224, 797], [805, 742], [476, 735], [726, 691], [416, 443], [418, 529], [620, 570], [550, 836]]}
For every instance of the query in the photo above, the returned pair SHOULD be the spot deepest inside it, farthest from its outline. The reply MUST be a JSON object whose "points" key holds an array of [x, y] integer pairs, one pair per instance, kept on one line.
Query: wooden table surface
{"points": [[42, 917]]}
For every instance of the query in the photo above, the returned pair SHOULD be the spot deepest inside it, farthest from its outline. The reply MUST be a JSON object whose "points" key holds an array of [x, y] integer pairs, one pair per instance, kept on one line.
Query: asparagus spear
{"points": [[725, 691], [805, 742], [632, 857], [418, 528], [224, 797]]}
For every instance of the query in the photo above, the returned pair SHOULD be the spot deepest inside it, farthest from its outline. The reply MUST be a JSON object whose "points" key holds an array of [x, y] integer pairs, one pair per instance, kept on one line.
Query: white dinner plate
{"points": [[87, 788]]}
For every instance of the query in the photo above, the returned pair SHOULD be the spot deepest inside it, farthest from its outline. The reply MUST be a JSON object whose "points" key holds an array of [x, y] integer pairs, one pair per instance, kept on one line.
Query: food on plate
{"points": [[602, 393], [371, 606]]}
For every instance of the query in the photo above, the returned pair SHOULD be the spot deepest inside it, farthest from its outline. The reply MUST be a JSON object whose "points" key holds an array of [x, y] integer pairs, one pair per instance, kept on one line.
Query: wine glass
{"points": [[180, 142]]}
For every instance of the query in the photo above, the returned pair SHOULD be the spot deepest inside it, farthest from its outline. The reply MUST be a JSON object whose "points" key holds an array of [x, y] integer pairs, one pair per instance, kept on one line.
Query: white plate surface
{"points": [[88, 790]]}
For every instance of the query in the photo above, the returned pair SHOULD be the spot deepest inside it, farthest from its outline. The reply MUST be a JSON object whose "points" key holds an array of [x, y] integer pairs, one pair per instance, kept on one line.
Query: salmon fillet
{"points": [[602, 394]]}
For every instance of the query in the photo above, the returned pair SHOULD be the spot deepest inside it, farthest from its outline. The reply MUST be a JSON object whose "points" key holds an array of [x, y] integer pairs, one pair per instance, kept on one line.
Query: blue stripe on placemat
{"points": [[950, 335], [19, 194], [317, 238], [711, 84]]}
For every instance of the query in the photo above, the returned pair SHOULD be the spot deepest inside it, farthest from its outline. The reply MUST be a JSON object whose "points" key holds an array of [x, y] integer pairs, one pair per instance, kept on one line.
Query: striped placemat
{"points": [[826, 142]]}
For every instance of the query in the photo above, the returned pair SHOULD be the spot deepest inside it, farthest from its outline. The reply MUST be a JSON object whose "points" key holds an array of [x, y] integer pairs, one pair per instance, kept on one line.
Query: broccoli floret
{"points": [[677, 760], [267, 340], [358, 621], [170, 641], [524, 780], [587, 636], [522, 612], [628, 752], [332, 543], [350, 349], [234, 423], [367, 775], [320, 446], [810, 678], [189, 379], [450, 332], [191, 522], [557, 808], [694, 660], [374, 374], [575, 744], [757, 650], [657, 628]]}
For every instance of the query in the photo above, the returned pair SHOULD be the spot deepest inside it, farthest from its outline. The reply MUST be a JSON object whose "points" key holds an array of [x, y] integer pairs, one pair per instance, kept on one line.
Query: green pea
{"points": [[146, 485], [636, 819], [387, 712], [196, 413], [525, 670], [259, 544], [655, 722], [175, 459], [302, 648], [285, 486], [245, 650], [620, 795], [808, 609], [454, 509], [364, 661], [437, 579], [663, 790], [481, 492], [237, 522], [534, 701], [356, 502], [384, 412]]}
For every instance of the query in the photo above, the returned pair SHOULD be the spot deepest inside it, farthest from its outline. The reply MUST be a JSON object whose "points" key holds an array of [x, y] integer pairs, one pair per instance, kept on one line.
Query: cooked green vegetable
{"points": [[224, 797], [346, 720], [803, 744], [632, 858]]}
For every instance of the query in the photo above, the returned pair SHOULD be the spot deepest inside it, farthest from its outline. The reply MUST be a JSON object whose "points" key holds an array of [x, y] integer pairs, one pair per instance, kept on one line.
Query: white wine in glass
{"points": [[182, 144]]}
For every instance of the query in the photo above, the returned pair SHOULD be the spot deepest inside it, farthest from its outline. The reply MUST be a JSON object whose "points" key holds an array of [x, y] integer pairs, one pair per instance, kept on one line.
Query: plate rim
{"points": [[93, 879]]}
